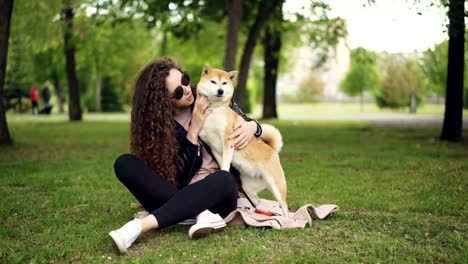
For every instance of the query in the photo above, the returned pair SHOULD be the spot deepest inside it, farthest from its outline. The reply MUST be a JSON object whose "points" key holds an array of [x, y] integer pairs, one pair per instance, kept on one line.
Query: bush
{"points": [[311, 88], [402, 78], [17, 99], [89, 102], [111, 101]]}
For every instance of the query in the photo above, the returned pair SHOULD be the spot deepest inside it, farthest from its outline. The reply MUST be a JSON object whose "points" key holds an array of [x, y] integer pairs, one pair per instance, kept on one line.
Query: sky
{"points": [[388, 25]]}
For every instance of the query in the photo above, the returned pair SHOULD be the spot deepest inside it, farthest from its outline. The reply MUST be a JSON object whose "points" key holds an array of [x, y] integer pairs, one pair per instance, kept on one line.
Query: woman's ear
{"points": [[206, 69], [233, 75]]}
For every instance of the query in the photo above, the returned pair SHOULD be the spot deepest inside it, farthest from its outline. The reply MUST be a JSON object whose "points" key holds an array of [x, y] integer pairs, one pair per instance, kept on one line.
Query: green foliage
{"points": [[205, 46], [402, 78], [117, 38], [402, 198], [312, 26], [19, 71], [89, 102], [362, 75], [434, 67], [105, 46], [116, 50], [111, 98]]}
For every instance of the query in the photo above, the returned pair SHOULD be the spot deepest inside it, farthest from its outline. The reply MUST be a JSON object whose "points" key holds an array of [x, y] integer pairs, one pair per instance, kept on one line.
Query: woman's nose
{"points": [[187, 89]]}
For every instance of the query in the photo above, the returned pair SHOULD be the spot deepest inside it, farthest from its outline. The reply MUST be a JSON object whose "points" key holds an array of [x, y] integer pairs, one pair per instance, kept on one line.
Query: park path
{"points": [[388, 119]]}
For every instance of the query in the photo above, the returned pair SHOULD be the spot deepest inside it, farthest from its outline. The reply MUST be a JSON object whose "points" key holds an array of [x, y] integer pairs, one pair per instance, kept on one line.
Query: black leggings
{"points": [[217, 192]]}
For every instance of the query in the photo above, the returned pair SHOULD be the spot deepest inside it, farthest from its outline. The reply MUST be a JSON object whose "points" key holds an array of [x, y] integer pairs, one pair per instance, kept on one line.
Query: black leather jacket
{"points": [[189, 160]]}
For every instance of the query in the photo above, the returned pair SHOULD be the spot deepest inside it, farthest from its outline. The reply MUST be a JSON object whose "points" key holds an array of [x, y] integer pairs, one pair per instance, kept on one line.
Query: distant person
{"points": [[34, 97], [45, 94]]}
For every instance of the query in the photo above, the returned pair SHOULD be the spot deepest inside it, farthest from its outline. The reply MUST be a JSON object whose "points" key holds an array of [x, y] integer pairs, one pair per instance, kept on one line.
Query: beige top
{"points": [[209, 164]]}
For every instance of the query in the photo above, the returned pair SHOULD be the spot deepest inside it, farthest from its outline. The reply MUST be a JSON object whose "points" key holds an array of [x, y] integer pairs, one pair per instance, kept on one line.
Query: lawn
{"points": [[402, 193]]}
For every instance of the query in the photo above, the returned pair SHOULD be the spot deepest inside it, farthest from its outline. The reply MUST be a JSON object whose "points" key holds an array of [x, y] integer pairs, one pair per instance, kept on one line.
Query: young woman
{"points": [[170, 171]]}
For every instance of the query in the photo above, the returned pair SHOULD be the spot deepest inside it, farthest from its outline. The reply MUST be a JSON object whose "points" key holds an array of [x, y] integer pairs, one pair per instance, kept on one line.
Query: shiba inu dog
{"points": [[258, 162]]}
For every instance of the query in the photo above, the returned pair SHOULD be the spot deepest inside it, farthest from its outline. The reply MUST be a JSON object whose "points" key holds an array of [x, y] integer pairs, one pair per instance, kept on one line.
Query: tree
{"points": [[6, 8], [402, 80], [234, 9], [272, 49], [434, 67], [74, 106], [264, 11], [362, 75], [452, 129], [313, 28], [109, 49], [18, 73]]}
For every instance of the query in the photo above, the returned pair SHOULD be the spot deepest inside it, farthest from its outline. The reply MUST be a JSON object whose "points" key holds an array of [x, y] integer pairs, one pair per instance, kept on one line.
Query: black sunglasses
{"points": [[179, 91]]}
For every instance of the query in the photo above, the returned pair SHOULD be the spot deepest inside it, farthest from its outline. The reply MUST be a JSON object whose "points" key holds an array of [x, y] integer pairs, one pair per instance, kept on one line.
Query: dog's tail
{"points": [[272, 137]]}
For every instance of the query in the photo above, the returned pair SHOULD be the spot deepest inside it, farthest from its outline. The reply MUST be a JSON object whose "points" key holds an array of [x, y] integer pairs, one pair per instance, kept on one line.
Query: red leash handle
{"points": [[267, 213]]}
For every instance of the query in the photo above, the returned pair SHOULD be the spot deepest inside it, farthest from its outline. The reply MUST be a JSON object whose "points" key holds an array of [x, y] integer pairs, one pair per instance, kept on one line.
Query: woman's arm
{"points": [[243, 130], [237, 109]]}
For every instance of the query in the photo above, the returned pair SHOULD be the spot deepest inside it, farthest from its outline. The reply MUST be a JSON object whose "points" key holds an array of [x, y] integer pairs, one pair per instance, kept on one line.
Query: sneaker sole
{"points": [[218, 226], [118, 242], [202, 230]]}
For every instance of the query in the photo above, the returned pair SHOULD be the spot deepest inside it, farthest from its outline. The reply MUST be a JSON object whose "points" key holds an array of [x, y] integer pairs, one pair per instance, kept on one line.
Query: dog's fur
{"points": [[258, 163]]}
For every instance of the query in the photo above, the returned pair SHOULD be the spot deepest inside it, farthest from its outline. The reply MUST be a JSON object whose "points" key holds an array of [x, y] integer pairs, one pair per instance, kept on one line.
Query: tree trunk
{"points": [[98, 93], [272, 48], [74, 107], [234, 8], [452, 129], [265, 9], [6, 8]]}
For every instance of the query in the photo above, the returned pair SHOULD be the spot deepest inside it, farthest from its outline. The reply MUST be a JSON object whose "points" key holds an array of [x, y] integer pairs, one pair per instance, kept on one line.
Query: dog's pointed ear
{"points": [[206, 69], [233, 75]]}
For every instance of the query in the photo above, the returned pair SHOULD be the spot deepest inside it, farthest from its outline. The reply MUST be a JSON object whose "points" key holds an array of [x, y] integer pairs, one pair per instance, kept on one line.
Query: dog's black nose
{"points": [[220, 91]]}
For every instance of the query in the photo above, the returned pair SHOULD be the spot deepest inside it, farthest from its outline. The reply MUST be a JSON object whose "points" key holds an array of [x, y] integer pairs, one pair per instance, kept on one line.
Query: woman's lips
{"points": [[189, 98]]}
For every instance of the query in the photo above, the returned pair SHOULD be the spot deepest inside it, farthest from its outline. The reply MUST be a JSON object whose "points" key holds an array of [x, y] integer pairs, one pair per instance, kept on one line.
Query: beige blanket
{"points": [[245, 215]]}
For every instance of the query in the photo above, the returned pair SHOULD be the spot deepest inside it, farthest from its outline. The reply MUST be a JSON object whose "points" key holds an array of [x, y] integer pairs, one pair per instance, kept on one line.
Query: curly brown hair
{"points": [[152, 135]]}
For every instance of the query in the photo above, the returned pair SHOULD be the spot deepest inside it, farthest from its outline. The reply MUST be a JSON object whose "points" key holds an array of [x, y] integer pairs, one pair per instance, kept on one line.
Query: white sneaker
{"points": [[126, 235], [207, 223]]}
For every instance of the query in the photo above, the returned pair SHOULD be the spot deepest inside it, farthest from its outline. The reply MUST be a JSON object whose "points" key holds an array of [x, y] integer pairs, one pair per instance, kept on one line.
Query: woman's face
{"points": [[174, 80]]}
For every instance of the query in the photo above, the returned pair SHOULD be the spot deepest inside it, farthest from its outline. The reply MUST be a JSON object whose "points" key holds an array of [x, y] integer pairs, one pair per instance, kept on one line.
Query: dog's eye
{"points": [[224, 83], [213, 82]]}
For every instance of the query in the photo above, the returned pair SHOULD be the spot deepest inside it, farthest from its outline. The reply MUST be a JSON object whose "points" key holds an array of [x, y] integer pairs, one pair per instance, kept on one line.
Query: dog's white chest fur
{"points": [[213, 130]]}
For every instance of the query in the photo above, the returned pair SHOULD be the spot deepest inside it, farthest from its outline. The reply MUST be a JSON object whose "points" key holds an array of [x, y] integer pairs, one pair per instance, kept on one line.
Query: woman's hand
{"points": [[243, 133], [199, 114]]}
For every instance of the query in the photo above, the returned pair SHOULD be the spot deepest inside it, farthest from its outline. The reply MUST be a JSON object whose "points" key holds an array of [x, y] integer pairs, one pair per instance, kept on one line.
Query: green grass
{"points": [[402, 194]]}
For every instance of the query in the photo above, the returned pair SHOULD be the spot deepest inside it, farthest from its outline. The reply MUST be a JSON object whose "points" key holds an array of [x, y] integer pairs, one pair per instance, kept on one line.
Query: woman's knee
{"points": [[225, 180], [122, 165]]}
